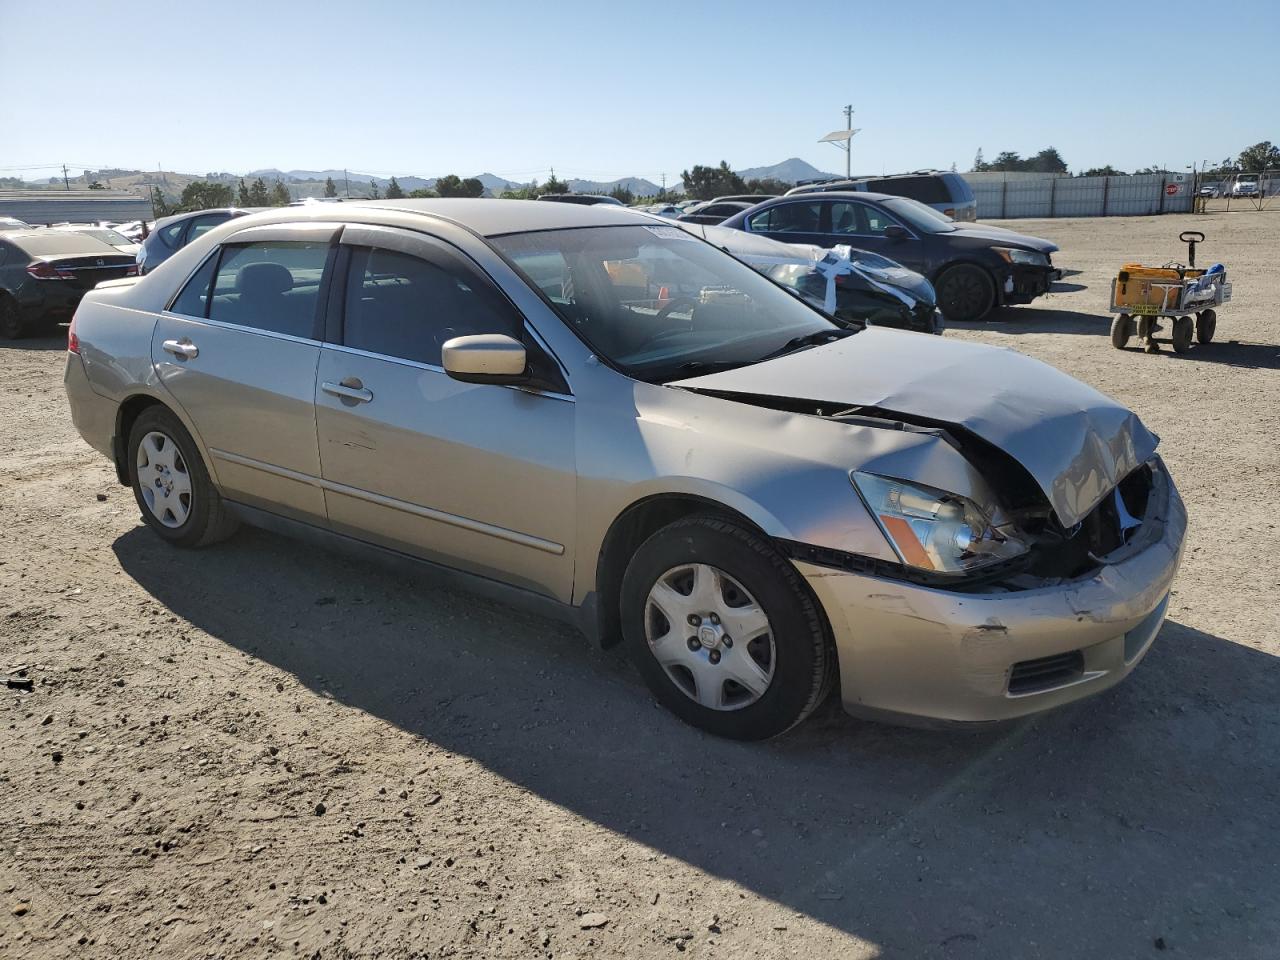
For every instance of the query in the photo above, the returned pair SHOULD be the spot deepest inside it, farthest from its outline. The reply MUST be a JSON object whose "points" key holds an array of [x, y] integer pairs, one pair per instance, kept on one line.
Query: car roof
{"points": [[54, 243], [174, 218], [829, 194], [493, 217]]}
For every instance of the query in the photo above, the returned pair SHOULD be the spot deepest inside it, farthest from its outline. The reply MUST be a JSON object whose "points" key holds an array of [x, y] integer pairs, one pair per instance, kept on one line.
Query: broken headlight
{"points": [[932, 529], [1018, 255]]}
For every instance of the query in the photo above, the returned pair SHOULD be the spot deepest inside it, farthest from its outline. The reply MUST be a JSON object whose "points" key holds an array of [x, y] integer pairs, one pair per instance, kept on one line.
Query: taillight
{"points": [[43, 270], [132, 270], [949, 213], [73, 341]]}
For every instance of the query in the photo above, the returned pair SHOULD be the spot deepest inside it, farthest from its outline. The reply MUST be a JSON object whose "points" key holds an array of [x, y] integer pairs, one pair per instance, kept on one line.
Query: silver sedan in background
{"points": [[618, 422]]}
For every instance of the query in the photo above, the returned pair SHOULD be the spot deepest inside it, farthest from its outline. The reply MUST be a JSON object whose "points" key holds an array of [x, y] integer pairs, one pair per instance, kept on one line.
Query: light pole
{"points": [[843, 139]]}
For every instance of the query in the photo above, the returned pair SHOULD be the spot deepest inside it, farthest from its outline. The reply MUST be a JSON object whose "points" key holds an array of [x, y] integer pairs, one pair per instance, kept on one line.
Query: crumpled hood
{"points": [[1076, 443]]}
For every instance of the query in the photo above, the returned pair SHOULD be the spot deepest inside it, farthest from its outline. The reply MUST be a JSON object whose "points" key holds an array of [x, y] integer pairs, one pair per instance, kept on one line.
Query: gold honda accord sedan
{"points": [[594, 412]]}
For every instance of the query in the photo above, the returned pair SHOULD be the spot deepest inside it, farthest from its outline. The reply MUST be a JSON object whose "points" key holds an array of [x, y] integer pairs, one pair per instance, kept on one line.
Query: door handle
{"points": [[184, 349], [350, 389]]}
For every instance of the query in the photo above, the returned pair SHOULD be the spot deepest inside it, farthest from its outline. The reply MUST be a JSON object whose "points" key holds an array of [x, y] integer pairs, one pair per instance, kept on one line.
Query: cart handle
{"points": [[1191, 238]]}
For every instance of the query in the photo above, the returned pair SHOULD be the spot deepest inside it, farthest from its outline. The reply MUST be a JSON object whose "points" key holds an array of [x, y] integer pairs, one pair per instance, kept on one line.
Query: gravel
{"points": [[547, 790]]}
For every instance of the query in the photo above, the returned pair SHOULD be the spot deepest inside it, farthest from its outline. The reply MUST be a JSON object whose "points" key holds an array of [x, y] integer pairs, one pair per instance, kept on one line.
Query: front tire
{"points": [[965, 293], [1121, 331], [171, 484], [724, 630]]}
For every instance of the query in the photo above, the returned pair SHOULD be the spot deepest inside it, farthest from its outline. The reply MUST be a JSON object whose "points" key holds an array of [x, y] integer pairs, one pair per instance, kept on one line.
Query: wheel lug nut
{"points": [[694, 644], [695, 620], [715, 619], [714, 656], [727, 640]]}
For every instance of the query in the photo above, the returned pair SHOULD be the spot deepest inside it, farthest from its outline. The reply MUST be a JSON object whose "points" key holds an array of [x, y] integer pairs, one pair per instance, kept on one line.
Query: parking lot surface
{"points": [[260, 748]]}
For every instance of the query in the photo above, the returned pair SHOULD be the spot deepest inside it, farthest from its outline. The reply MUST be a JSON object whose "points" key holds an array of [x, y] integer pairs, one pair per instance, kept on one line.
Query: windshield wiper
{"points": [[808, 340]]}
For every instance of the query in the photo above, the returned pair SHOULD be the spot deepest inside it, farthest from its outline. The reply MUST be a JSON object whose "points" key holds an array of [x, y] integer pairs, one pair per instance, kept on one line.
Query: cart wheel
{"points": [[1121, 331], [1182, 329], [1206, 324]]}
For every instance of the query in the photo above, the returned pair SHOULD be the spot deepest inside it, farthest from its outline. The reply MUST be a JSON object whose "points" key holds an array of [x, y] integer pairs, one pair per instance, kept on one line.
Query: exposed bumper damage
{"points": [[914, 653]]}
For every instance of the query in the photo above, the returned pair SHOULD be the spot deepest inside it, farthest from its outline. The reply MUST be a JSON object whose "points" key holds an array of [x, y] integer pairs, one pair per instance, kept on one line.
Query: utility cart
{"points": [[1191, 298]]}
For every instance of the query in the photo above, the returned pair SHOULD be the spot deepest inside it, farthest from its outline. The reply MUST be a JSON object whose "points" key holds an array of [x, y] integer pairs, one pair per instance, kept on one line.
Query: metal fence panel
{"points": [[1139, 195]]}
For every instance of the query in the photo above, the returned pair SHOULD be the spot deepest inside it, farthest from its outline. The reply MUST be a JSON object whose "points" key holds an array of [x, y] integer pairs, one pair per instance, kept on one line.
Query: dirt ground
{"points": [[262, 749]]}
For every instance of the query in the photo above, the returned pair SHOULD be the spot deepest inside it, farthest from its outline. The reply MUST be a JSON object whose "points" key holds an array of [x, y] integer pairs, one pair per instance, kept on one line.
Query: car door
{"points": [[863, 225], [238, 348], [795, 221], [475, 476]]}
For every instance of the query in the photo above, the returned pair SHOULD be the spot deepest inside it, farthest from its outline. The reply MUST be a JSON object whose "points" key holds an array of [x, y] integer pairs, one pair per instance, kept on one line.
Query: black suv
{"points": [[948, 193], [44, 273]]}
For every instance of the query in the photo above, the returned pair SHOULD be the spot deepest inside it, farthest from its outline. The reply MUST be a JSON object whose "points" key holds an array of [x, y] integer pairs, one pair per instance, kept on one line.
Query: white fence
{"points": [[1135, 196]]}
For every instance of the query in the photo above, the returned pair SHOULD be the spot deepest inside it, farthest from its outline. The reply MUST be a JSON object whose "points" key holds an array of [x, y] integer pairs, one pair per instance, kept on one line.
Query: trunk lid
{"points": [[1075, 442]]}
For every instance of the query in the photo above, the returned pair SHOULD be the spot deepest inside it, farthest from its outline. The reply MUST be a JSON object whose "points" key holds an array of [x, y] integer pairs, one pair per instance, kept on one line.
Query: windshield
{"points": [[920, 215], [658, 303]]}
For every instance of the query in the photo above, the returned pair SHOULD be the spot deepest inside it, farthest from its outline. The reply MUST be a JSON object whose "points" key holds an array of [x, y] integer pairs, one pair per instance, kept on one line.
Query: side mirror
{"points": [[895, 232], [485, 358]]}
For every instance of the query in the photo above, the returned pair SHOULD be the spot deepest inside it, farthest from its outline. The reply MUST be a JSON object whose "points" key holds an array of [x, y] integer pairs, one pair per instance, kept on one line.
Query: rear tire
{"points": [[12, 326], [782, 651], [1121, 331], [171, 484], [1206, 325], [965, 293]]}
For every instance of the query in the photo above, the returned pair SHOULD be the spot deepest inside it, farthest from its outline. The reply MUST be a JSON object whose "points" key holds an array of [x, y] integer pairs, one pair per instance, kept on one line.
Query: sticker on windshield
{"points": [[669, 233]]}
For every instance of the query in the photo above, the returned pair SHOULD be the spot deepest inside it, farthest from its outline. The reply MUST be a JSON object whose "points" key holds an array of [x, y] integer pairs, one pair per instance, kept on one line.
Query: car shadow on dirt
{"points": [[1017, 320], [54, 340], [1148, 812]]}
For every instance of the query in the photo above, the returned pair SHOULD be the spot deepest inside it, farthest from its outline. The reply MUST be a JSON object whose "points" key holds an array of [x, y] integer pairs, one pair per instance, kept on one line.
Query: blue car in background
{"points": [[948, 193]]}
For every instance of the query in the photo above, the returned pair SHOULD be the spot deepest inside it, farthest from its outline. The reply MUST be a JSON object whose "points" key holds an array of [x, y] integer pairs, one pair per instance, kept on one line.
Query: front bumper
{"points": [[916, 654], [1023, 283]]}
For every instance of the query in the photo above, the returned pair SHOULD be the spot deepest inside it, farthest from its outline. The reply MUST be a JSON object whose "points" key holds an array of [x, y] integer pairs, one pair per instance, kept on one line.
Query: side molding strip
{"points": [[452, 519]]}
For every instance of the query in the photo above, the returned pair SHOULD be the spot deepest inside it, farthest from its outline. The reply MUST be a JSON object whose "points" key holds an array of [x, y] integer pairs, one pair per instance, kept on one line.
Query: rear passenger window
{"points": [[788, 218], [202, 225], [193, 301], [273, 285], [404, 306], [172, 233], [924, 189]]}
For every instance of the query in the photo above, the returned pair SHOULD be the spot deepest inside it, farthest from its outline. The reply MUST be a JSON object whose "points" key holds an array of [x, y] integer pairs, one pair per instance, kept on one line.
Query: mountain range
{"points": [[310, 183]]}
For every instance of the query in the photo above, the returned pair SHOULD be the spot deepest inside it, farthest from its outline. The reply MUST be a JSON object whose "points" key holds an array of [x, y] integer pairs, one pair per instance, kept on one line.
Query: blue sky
{"points": [[603, 90]]}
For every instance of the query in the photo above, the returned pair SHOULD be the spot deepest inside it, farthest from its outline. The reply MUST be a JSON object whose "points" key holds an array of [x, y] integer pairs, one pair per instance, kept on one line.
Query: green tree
{"points": [[979, 165], [553, 185], [767, 185], [373, 190], [623, 195], [159, 206], [96, 185], [451, 185], [258, 195], [393, 190], [203, 195], [703, 183], [242, 198], [1007, 160], [1107, 171], [1047, 160], [330, 188], [280, 195], [1261, 156], [422, 193]]}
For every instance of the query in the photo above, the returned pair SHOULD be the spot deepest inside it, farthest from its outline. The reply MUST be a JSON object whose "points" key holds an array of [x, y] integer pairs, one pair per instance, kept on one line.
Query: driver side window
{"points": [[399, 305]]}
